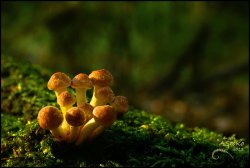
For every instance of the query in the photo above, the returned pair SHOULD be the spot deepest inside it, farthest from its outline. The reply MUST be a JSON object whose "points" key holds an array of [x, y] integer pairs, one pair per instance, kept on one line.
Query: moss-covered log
{"points": [[137, 138]]}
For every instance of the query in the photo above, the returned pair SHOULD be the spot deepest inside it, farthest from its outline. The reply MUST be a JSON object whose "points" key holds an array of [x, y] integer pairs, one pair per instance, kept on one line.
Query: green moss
{"points": [[23, 88], [137, 138]]}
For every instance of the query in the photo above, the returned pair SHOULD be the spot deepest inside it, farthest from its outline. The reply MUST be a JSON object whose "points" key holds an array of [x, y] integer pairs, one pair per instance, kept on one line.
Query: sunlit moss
{"points": [[137, 138]]}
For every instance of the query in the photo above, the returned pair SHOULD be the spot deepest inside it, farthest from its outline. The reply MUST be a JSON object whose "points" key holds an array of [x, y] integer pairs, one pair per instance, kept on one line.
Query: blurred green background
{"points": [[186, 61]]}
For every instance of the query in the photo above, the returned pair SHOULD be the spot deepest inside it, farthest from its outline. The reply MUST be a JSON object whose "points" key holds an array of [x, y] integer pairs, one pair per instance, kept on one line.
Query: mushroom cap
{"points": [[101, 77], [104, 115], [59, 81], [105, 93], [81, 81], [66, 99], [87, 110], [75, 116], [120, 104], [50, 117]]}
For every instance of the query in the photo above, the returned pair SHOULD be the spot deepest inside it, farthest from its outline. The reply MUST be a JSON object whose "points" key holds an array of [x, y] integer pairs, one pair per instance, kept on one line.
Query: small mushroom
{"points": [[100, 78], [102, 96], [66, 101], [75, 118], [81, 83], [87, 109], [59, 82], [120, 104], [51, 118], [102, 115]]}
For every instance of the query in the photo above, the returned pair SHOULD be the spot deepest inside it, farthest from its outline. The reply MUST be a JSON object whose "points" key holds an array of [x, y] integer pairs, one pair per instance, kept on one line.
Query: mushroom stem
{"points": [[94, 100], [65, 109], [74, 132], [57, 133], [66, 101], [65, 129], [81, 96], [97, 132], [65, 126], [58, 92], [86, 130]]}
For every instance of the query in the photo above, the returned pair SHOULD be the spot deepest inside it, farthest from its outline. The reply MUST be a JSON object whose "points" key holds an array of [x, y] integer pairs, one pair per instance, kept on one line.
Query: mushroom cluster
{"points": [[88, 119]]}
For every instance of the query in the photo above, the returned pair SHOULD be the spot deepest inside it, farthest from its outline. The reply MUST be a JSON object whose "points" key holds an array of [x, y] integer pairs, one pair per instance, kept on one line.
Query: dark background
{"points": [[186, 61]]}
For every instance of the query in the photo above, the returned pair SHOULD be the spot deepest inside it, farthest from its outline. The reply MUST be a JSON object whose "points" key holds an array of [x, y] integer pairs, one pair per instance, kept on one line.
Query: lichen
{"points": [[137, 138]]}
